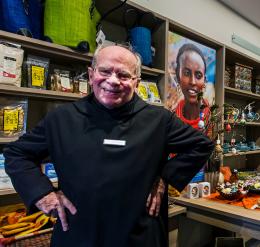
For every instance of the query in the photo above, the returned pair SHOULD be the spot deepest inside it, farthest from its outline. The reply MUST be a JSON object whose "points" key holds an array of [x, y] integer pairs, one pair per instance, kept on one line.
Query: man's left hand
{"points": [[154, 200]]}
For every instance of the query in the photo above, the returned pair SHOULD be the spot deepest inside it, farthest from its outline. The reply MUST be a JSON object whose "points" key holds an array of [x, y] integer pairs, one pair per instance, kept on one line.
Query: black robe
{"points": [[108, 184]]}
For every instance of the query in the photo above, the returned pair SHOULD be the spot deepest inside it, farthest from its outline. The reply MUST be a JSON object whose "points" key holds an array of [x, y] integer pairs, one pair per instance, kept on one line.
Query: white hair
{"points": [[126, 46]]}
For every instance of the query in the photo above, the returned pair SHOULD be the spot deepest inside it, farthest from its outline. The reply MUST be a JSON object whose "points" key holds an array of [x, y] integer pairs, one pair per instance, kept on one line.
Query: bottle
{"points": [[234, 176]]}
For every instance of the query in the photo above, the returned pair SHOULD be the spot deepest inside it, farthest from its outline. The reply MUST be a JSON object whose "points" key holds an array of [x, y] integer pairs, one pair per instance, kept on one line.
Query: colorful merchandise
{"points": [[71, 22], [22, 17]]}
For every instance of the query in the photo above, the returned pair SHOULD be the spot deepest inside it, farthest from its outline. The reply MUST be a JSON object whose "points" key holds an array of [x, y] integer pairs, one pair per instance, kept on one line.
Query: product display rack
{"points": [[114, 29], [240, 98], [40, 101]]}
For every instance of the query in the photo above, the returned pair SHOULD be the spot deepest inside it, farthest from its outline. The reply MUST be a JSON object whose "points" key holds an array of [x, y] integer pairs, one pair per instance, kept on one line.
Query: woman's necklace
{"points": [[201, 123]]}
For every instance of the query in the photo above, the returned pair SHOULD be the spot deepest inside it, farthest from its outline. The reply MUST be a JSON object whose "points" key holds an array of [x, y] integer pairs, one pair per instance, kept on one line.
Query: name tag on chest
{"points": [[114, 142]]}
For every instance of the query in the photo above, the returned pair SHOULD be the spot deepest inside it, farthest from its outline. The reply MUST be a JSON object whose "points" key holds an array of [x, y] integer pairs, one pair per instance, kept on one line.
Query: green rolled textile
{"points": [[68, 22]]}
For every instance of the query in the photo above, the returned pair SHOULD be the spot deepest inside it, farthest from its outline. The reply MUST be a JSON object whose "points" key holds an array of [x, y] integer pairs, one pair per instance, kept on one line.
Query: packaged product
{"points": [[80, 84], [257, 84], [243, 77], [11, 59], [142, 90], [5, 181], [36, 71], [154, 96], [61, 81], [13, 115]]}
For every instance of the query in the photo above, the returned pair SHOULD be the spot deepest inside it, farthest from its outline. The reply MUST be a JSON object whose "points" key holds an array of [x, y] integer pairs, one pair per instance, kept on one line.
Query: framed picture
{"points": [[184, 53]]}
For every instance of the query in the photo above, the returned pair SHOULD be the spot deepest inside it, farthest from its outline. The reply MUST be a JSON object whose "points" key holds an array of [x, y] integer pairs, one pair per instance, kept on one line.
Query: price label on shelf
{"points": [[9, 67], [11, 119], [37, 76]]}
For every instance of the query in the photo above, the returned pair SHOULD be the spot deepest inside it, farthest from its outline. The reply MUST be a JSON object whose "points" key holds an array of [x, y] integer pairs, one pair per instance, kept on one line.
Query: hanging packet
{"points": [[36, 71], [11, 59], [13, 115]]}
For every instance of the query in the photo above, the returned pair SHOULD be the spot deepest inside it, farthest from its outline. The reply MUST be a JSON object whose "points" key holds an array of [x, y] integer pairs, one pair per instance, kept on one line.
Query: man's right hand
{"points": [[57, 201]]}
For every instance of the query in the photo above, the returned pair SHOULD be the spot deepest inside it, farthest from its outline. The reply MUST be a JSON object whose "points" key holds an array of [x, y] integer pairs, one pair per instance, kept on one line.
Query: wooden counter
{"points": [[176, 210], [229, 217]]}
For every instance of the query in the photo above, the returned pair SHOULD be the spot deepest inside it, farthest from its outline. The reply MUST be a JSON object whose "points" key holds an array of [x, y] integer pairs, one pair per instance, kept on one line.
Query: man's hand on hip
{"points": [[56, 202], [154, 199]]}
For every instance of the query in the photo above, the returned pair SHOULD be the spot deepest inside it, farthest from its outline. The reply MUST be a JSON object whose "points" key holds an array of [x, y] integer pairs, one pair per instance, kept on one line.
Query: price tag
{"points": [[37, 76], [83, 87], [11, 119], [154, 90], [142, 91], [65, 82], [9, 67]]}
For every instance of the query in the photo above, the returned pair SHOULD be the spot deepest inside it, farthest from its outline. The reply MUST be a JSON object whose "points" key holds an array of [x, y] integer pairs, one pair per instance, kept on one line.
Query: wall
{"points": [[208, 17]]}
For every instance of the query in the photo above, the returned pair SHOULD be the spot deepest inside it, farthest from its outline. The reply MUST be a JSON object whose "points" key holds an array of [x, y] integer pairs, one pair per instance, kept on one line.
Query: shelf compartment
{"points": [[38, 93], [234, 91], [242, 153], [12, 191], [5, 140], [257, 124]]}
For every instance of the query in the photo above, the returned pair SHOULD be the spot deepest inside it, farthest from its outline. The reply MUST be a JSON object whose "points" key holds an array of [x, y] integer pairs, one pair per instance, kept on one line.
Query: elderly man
{"points": [[108, 149]]}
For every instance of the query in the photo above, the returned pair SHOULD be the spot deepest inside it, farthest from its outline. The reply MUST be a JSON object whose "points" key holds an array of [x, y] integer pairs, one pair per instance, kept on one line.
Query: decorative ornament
{"points": [[218, 147], [243, 118], [228, 127], [201, 124]]}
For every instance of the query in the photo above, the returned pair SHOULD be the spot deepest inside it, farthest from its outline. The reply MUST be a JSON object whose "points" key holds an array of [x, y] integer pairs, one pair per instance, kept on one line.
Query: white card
{"points": [[114, 142]]}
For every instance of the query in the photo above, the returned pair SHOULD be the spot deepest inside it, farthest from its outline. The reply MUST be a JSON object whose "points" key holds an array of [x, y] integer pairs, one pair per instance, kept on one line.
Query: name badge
{"points": [[114, 142]]}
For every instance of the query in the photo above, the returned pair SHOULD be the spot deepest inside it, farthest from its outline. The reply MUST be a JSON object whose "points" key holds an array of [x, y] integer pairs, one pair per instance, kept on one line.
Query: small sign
{"points": [[11, 119], [37, 76]]}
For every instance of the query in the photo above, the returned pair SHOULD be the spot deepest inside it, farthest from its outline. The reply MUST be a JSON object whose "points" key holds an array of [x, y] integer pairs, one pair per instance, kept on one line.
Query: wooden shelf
{"points": [[234, 91], [39, 93], [152, 71], [176, 210], [44, 47], [246, 124], [12, 191], [37, 45], [4, 140], [242, 153]]}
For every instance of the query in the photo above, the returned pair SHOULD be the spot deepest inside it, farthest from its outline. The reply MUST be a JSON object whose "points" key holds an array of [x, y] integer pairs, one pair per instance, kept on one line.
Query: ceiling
{"points": [[248, 9]]}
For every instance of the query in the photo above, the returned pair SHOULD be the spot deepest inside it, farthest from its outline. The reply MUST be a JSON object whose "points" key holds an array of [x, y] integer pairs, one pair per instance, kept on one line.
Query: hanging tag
{"points": [[114, 142], [100, 37]]}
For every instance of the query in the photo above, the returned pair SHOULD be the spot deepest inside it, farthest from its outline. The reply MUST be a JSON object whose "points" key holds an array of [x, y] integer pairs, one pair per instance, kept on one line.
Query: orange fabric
{"points": [[247, 202], [225, 170]]}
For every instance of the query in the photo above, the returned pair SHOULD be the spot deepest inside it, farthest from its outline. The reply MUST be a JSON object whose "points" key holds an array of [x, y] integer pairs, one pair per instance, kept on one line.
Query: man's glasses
{"points": [[120, 75]]}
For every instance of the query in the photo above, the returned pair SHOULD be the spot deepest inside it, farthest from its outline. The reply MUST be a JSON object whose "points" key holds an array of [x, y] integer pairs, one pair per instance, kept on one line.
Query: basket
{"points": [[233, 196], [37, 239]]}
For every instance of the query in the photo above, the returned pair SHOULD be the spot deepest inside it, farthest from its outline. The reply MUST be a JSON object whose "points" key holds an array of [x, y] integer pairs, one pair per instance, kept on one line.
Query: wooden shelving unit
{"points": [[240, 98], [38, 93], [238, 92], [257, 124], [242, 153]]}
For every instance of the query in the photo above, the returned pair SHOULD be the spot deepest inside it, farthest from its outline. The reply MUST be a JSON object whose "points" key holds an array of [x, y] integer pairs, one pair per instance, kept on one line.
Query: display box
{"points": [[242, 77], [49, 170]]}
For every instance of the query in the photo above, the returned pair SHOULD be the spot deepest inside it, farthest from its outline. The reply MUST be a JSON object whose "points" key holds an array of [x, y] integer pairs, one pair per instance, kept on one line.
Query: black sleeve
{"points": [[22, 164], [193, 149]]}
